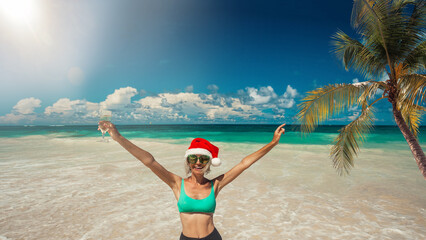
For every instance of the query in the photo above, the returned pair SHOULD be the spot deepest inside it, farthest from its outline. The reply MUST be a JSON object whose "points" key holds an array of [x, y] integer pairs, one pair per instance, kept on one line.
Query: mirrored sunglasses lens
{"points": [[192, 159], [204, 159]]}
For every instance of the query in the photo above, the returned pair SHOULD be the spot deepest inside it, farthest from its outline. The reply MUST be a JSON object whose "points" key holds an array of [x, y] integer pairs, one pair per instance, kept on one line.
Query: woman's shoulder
{"points": [[218, 178]]}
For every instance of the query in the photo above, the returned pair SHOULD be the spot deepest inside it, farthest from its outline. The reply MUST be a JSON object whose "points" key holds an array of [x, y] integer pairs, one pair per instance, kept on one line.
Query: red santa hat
{"points": [[202, 146]]}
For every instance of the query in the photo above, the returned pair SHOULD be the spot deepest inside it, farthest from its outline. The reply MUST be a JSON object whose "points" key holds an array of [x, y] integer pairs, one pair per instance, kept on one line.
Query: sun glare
{"points": [[21, 12]]}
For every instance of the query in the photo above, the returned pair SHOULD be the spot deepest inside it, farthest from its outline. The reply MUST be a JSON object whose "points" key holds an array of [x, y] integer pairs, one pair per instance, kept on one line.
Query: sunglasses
{"points": [[192, 159]]}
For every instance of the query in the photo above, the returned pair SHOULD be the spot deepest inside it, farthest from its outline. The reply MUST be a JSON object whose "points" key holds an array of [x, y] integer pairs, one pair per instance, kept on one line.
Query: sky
{"points": [[169, 61]]}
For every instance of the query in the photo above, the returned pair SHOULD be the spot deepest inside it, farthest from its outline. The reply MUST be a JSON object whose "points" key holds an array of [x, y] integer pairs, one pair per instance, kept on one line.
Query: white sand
{"points": [[56, 188]]}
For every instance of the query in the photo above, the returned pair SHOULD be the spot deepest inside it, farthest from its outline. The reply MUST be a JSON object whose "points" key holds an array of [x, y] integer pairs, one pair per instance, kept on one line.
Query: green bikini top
{"points": [[188, 204]]}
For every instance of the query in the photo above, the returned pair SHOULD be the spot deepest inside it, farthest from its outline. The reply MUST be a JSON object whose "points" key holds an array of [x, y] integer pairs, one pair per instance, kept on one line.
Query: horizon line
{"points": [[160, 124]]}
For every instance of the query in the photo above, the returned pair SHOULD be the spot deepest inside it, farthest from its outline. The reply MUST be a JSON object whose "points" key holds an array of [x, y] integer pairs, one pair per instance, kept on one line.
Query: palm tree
{"points": [[392, 41]]}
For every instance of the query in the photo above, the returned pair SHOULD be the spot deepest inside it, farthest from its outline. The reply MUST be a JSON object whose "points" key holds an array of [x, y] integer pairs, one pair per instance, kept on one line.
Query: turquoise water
{"points": [[379, 137]]}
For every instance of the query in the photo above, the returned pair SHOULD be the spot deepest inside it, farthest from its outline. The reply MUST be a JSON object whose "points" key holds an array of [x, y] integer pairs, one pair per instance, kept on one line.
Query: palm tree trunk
{"points": [[414, 145]]}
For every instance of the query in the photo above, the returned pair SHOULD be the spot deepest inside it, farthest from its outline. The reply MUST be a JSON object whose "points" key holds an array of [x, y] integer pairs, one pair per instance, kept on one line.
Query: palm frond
{"points": [[355, 54], [412, 90], [414, 35], [391, 29], [412, 116], [346, 144], [368, 20], [416, 59], [322, 103], [371, 91], [363, 13]]}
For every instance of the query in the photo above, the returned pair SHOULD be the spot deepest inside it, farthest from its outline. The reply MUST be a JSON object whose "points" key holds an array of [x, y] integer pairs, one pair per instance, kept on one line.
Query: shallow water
{"points": [[81, 188], [379, 137]]}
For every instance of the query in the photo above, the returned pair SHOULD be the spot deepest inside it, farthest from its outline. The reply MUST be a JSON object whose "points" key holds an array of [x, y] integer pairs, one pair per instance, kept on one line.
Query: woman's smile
{"points": [[198, 167]]}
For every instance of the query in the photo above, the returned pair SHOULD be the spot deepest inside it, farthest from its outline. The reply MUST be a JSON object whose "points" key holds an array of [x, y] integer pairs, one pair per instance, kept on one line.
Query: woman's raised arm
{"points": [[145, 157], [229, 176]]}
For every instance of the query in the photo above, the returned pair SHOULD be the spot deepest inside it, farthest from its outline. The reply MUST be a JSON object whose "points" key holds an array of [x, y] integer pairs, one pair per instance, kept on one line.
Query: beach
{"points": [[82, 188]]}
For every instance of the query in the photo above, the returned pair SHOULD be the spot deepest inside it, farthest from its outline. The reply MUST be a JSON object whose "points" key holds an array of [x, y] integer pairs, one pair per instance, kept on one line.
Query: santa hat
{"points": [[202, 146]]}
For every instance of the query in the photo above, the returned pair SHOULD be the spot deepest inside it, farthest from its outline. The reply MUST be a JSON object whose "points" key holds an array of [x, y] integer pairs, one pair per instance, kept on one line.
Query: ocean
{"points": [[379, 136], [66, 182]]}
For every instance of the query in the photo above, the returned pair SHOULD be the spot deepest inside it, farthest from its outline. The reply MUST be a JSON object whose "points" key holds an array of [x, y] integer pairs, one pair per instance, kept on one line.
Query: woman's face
{"points": [[198, 163]]}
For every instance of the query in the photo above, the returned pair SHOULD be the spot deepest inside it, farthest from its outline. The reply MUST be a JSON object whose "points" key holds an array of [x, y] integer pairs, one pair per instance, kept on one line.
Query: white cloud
{"points": [[193, 106], [66, 107], [287, 100], [266, 98], [62, 106], [251, 104], [353, 116], [261, 96], [66, 111], [27, 105], [359, 84], [279, 116], [22, 112], [286, 103], [119, 99], [290, 92], [12, 118]]}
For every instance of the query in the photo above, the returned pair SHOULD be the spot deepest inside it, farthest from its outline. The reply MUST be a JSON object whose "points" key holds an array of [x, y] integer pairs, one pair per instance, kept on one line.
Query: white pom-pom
{"points": [[216, 162]]}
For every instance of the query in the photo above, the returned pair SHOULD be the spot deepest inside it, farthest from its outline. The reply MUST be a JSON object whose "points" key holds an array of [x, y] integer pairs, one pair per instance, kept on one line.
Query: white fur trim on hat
{"points": [[198, 151], [216, 162]]}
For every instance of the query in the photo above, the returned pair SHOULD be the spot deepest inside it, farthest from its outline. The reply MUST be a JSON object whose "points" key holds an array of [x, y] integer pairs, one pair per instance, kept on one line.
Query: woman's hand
{"points": [[110, 128], [277, 134]]}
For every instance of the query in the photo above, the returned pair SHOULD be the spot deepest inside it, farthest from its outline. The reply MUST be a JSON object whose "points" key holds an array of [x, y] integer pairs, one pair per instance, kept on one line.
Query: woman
{"points": [[196, 195]]}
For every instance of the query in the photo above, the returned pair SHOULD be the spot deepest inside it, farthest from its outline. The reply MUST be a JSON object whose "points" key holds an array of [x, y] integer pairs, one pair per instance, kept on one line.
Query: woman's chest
{"points": [[197, 192]]}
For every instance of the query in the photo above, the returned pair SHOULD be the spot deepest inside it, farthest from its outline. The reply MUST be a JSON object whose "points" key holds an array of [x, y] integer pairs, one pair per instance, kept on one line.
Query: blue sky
{"points": [[168, 61]]}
